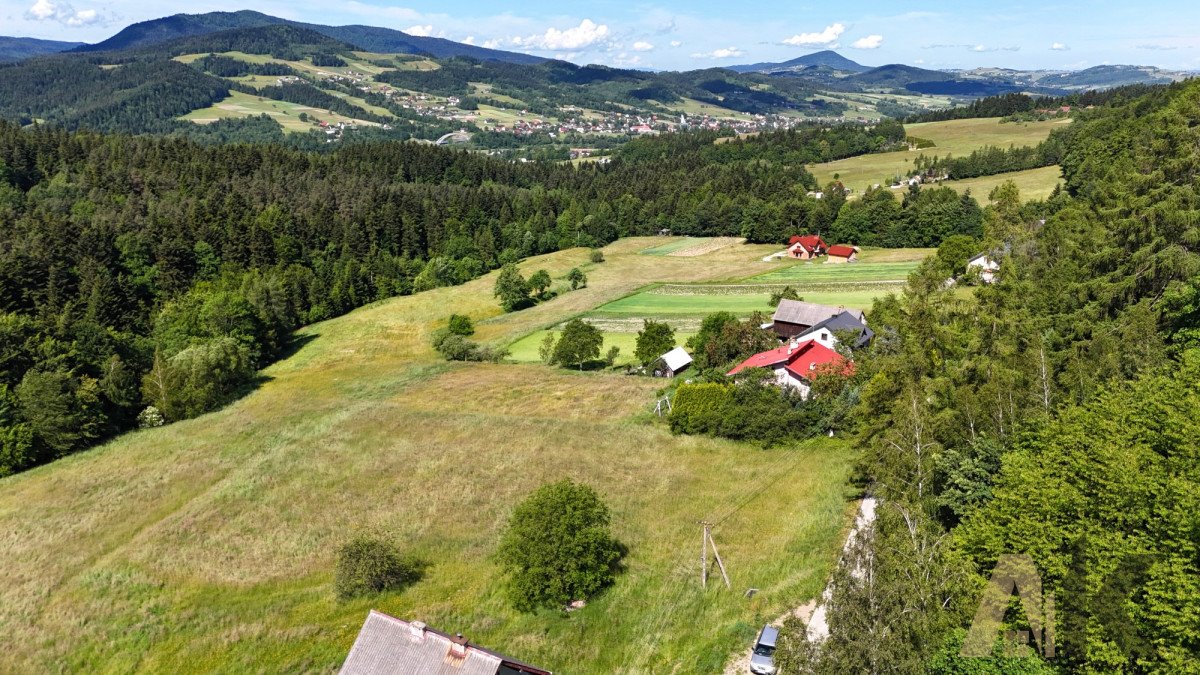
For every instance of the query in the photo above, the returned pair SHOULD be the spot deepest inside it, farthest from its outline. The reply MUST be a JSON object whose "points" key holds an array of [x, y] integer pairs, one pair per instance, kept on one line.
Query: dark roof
{"points": [[809, 313], [844, 321], [390, 645]]}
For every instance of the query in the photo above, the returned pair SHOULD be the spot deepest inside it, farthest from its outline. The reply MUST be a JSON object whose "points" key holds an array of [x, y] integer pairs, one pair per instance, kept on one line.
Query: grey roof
{"points": [[390, 645], [677, 359], [844, 321], [810, 313]]}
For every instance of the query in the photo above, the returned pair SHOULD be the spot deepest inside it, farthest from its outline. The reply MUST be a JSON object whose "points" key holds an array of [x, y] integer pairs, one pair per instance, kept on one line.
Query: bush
{"points": [[558, 547], [461, 325], [699, 408], [366, 566], [597, 256], [455, 347], [577, 278]]}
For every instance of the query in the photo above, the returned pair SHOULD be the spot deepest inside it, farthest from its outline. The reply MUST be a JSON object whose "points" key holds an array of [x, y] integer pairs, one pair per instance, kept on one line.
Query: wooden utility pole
{"points": [[706, 540]]}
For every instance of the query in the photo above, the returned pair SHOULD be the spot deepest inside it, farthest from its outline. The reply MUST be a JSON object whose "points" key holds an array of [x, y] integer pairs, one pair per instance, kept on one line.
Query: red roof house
{"points": [[842, 253], [806, 246], [795, 365]]}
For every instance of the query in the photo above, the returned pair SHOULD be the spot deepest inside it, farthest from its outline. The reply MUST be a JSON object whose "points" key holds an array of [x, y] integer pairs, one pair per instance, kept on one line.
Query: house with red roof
{"points": [[806, 247], [795, 364], [842, 253]]}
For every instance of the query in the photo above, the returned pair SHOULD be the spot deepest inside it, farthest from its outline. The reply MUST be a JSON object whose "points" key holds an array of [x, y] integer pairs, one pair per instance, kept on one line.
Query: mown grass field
{"points": [[525, 350], [956, 137], [239, 104], [208, 545], [1033, 184]]}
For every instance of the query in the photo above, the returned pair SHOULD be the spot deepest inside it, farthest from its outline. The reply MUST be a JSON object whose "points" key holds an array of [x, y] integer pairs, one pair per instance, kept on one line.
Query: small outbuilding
{"points": [[672, 363], [986, 265], [841, 253]]}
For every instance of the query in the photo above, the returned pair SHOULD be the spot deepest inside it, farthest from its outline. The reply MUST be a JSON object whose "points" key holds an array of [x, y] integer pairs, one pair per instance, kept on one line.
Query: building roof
{"points": [[799, 359], [844, 321], [677, 359], [810, 242], [841, 251], [810, 313], [393, 646]]}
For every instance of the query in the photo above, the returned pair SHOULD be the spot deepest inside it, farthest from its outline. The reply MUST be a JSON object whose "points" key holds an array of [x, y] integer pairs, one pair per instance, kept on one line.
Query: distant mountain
{"points": [[1096, 77], [16, 48], [827, 58], [366, 38]]}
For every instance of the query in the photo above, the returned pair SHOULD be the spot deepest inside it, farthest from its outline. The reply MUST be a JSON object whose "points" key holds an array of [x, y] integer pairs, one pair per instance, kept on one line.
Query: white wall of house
{"points": [[785, 379]]}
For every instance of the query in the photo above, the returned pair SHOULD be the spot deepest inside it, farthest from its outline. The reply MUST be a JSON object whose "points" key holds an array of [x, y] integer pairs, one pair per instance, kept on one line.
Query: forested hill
{"points": [[368, 38], [1053, 414], [144, 271]]}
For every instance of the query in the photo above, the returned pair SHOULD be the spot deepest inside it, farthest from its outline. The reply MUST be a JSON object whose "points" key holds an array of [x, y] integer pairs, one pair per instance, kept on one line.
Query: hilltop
{"points": [[17, 48], [826, 58]]}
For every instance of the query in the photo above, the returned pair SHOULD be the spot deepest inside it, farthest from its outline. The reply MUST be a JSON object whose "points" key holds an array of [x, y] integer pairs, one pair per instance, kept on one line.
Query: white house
{"points": [[987, 267]]}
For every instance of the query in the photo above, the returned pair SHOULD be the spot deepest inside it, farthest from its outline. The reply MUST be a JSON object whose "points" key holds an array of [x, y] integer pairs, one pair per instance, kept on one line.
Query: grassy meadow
{"points": [[240, 104], [1033, 184], [956, 137], [208, 545]]}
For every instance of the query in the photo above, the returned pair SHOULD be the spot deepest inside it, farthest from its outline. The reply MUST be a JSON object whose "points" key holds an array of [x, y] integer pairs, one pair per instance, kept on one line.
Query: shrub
{"points": [[577, 278], [366, 566], [597, 256], [558, 547], [458, 348], [700, 408], [461, 325]]}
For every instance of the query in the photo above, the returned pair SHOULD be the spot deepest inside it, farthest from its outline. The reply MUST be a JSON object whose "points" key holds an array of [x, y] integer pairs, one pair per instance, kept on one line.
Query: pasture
{"points": [[239, 104], [1033, 184], [208, 545], [955, 137]]}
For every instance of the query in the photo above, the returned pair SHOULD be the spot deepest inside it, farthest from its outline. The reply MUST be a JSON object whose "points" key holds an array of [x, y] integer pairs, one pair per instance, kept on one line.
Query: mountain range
{"points": [[17, 48]]}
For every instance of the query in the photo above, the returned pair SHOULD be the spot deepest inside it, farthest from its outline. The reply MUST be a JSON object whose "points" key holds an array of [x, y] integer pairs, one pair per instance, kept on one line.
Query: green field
{"points": [[853, 272], [956, 137], [525, 350], [287, 114], [208, 545], [1033, 184], [673, 246]]}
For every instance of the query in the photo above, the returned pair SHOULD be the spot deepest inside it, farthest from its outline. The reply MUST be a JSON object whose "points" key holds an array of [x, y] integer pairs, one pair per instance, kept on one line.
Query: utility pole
{"points": [[706, 540]]}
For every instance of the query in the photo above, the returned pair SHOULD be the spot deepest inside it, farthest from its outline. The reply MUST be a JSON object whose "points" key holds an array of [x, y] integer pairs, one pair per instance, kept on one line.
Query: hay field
{"points": [[956, 137], [208, 545]]}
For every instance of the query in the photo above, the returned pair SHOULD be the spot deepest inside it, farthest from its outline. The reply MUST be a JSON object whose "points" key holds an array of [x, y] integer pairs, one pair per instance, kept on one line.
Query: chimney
{"points": [[458, 646], [417, 629]]}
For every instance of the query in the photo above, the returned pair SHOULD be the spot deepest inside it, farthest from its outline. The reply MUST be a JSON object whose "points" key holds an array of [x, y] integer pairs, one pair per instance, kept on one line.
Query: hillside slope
{"points": [[15, 48], [208, 545]]}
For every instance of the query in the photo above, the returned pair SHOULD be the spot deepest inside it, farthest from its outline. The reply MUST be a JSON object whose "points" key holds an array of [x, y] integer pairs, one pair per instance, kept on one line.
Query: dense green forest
{"points": [[142, 271], [1052, 414], [1008, 105]]}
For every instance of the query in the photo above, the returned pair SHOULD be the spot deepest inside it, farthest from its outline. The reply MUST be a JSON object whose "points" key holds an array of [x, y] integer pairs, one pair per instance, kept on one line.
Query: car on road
{"points": [[762, 661]]}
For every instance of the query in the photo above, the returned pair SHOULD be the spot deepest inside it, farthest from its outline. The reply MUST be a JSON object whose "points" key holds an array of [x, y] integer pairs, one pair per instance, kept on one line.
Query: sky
{"points": [[688, 34]]}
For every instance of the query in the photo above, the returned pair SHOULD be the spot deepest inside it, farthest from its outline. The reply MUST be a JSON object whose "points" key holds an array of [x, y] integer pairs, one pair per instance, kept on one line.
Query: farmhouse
{"points": [[986, 265], [796, 363], [842, 254], [671, 363], [806, 247], [793, 317], [389, 645], [847, 324]]}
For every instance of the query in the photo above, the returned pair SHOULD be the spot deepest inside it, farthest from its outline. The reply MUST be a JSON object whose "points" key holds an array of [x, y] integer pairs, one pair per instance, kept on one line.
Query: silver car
{"points": [[762, 661]]}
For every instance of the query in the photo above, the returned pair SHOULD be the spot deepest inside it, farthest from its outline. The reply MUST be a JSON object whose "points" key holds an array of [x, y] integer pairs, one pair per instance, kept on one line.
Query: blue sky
{"points": [[683, 34]]}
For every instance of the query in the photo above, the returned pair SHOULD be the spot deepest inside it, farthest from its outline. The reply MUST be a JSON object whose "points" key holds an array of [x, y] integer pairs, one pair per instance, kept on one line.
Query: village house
{"points": [[796, 317], [986, 265], [841, 254], [390, 645], [806, 247], [846, 324], [672, 363], [795, 364]]}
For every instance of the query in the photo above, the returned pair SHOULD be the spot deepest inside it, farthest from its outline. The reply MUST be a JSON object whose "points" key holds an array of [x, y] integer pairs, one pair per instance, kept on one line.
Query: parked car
{"points": [[762, 661]]}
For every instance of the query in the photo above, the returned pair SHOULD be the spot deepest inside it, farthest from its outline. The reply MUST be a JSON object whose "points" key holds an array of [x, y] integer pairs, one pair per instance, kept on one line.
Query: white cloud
{"points": [[62, 12], [1059, 47], [868, 42], [420, 31], [642, 46], [493, 43], [469, 40], [725, 53], [1157, 47], [826, 37], [676, 43], [586, 34]]}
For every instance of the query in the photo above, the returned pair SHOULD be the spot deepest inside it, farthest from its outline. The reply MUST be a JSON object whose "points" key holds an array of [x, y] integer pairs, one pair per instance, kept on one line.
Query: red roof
{"points": [[809, 241], [841, 251], [799, 360]]}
